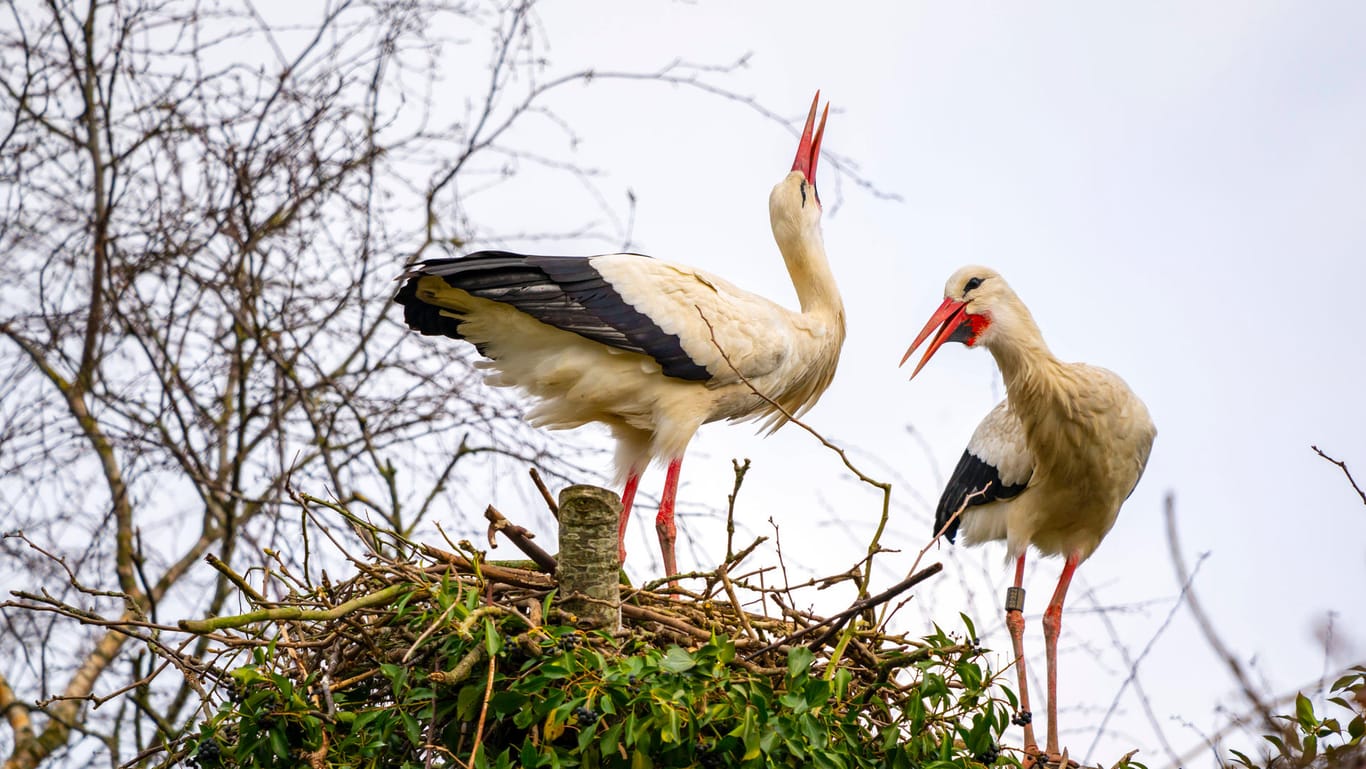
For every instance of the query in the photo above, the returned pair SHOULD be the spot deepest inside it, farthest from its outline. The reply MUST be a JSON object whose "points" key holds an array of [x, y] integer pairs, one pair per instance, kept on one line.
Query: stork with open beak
{"points": [[651, 349], [1050, 466]]}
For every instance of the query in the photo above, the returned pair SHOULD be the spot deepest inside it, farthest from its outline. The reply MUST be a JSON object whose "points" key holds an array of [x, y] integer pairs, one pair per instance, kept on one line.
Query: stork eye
{"points": [[972, 284]]}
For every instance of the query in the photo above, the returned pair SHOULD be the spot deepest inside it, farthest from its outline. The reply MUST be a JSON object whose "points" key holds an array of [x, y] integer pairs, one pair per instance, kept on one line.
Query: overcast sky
{"points": [[1177, 191]]}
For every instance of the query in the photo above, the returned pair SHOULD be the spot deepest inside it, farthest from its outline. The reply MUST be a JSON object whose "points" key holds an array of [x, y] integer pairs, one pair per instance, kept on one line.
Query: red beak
{"points": [[809, 150], [950, 316]]}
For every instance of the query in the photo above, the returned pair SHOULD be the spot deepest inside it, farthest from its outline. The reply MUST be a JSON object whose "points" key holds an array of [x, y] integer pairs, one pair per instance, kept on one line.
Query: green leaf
{"points": [[799, 661], [676, 660], [610, 739], [279, 744], [412, 729], [397, 674], [1304, 712], [748, 732], [668, 733], [841, 681], [1346, 682], [493, 640]]}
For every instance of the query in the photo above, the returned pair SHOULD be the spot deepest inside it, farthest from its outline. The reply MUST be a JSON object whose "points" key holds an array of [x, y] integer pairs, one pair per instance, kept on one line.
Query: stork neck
{"points": [[1030, 370], [811, 275]]}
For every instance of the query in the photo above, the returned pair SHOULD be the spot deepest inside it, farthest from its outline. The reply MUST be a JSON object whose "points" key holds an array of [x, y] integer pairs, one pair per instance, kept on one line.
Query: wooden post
{"points": [[588, 562]]}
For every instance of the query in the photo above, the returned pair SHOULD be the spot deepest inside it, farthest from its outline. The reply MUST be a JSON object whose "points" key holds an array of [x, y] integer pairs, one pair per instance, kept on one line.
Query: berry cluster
{"points": [[989, 755], [208, 754], [585, 716]]}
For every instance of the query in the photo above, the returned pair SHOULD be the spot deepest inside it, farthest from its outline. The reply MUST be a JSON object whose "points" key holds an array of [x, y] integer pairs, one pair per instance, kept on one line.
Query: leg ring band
{"points": [[1015, 599]]}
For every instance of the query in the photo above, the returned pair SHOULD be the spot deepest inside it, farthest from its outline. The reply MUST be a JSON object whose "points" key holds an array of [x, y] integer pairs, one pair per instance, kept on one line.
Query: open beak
{"points": [[954, 326], [809, 150]]}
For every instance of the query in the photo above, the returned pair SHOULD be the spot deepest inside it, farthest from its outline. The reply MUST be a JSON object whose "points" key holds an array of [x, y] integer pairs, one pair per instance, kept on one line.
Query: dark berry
{"points": [[1023, 718], [989, 755], [208, 754]]}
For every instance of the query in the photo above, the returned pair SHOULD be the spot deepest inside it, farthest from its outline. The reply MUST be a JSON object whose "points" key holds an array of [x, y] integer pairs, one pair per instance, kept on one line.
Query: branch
{"points": [[1207, 627], [283, 613], [520, 537], [1345, 471], [874, 545], [839, 619]]}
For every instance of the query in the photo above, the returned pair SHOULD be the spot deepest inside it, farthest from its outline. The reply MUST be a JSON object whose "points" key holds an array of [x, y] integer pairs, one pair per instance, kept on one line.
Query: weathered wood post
{"points": [[588, 561]]}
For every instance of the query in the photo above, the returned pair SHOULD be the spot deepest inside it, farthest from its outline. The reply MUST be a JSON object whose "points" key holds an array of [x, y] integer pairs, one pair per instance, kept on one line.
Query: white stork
{"points": [[1049, 466], [641, 345]]}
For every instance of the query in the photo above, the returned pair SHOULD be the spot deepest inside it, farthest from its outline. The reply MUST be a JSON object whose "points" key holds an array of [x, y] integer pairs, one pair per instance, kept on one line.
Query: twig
{"points": [[740, 470], [518, 577], [1207, 628], [519, 537], [483, 710], [1345, 471], [858, 606], [378, 598], [885, 488], [880, 598], [1132, 678], [545, 493], [235, 579]]}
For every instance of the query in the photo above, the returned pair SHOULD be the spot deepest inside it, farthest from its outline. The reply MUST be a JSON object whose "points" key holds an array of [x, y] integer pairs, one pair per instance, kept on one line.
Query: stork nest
{"points": [[439, 657]]}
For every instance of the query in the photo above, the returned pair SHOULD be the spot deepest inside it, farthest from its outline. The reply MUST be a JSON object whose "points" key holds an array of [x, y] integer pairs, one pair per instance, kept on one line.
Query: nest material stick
{"points": [[520, 537]]}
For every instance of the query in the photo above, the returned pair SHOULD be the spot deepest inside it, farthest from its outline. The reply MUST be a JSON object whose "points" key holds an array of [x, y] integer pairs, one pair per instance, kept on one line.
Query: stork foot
{"points": [[1061, 761], [1038, 759]]}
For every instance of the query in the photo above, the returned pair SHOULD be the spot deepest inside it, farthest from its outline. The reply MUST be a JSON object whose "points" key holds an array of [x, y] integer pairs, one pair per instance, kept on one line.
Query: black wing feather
{"points": [[970, 476], [561, 291]]}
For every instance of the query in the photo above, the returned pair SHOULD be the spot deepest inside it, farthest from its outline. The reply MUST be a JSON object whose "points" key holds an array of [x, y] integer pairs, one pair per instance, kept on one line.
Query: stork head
{"points": [[978, 307], [793, 205]]}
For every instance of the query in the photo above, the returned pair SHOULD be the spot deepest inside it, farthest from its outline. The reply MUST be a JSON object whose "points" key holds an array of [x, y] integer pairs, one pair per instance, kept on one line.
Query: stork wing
{"points": [[625, 301], [561, 291], [723, 328], [995, 466]]}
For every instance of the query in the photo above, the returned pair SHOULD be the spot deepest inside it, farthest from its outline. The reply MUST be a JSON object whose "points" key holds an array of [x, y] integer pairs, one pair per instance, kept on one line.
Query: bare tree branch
{"points": [[1345, 471]]}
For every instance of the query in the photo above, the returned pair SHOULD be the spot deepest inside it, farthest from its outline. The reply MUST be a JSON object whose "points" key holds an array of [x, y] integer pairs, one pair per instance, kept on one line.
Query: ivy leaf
{"points": [[799, 661], [493, 640], [676, 660]]}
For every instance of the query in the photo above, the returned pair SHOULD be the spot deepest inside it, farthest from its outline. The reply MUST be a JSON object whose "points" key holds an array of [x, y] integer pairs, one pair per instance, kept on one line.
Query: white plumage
{"points": [[1049, 467], [637, 343]]}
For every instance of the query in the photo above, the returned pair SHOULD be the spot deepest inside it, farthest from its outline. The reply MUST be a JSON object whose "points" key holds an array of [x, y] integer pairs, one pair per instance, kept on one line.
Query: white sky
{"points": [[1177, 191]]}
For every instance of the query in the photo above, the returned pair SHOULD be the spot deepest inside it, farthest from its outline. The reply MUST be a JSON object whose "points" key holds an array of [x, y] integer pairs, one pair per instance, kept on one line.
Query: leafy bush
{"points": [[501, 691], [1309, 740]]}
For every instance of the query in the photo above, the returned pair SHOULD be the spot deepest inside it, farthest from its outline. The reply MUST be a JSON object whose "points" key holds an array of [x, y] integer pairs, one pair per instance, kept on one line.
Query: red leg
{"points": [[664, 522], [628, 496], [1052, 625], [1015, 624]]}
